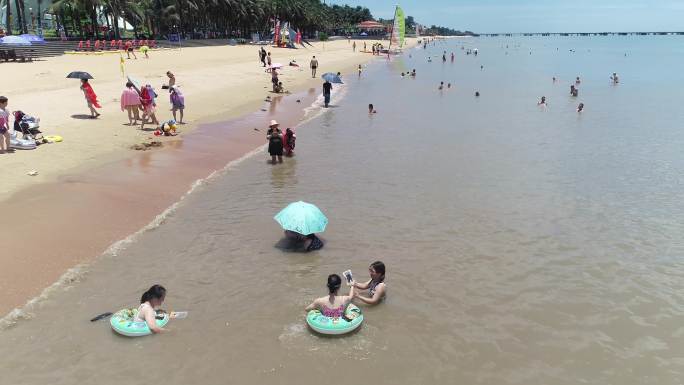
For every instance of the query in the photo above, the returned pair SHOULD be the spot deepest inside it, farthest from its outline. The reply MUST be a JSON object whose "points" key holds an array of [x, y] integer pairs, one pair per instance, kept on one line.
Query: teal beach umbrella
{"points": [[303, 218]]}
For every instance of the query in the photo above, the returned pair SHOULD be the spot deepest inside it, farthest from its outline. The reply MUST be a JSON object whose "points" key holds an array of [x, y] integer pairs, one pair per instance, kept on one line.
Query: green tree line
{"points": [[237, 18]]}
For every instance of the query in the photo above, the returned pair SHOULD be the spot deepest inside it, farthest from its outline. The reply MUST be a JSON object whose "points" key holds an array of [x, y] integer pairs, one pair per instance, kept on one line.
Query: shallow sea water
{"points": [[524, 245]]}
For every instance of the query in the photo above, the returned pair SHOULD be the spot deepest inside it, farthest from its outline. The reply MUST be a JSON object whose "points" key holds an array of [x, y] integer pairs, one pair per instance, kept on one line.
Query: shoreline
{"points": [[86, 210], [92, 214]]}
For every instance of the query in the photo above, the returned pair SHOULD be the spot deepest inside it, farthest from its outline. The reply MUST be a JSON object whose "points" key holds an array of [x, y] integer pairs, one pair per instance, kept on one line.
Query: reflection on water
{"points": [[522, 246]]}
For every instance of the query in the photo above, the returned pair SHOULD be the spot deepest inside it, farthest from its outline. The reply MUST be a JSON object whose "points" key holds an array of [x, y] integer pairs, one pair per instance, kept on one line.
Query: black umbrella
{"points": [[79, 75]]}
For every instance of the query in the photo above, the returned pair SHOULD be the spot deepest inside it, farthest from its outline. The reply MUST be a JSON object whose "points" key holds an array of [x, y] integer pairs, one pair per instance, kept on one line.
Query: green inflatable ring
{"points": [[353, 318], [122, 323]]}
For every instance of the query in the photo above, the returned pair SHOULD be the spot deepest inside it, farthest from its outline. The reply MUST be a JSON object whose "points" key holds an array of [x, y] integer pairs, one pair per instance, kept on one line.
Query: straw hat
{"points": [[274, 123]]}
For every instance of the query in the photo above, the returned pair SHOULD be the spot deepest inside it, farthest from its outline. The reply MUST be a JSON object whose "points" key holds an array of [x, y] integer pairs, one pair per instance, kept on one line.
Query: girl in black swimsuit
{"points": [[376, 286]]}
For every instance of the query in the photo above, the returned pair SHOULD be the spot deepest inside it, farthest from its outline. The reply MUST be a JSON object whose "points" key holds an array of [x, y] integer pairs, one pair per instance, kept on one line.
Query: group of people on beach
{"points": [[135, 100]]}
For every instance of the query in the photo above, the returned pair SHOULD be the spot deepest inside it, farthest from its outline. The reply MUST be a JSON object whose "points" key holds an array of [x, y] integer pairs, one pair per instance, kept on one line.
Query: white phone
{"points": [[178, 314], [348, 275]]}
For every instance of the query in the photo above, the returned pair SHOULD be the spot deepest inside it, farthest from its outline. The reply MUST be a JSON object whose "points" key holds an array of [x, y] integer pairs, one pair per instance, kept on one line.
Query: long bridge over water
{"points": [[582, 34]]}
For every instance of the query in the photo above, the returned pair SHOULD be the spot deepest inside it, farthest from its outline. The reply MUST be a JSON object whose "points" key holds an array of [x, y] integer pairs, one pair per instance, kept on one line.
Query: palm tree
{"points": [[9, 17]]}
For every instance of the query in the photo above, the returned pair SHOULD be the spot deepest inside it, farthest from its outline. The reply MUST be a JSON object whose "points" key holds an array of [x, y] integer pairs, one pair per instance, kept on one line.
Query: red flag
{"points": [[276, 37]]}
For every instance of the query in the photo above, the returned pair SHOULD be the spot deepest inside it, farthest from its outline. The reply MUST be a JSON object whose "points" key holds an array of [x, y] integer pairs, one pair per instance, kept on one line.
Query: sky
{"points": [[491, 16]]}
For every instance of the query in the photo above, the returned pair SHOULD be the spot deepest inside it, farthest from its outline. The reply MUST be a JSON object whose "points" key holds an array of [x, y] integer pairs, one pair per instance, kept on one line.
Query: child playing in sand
{"points": [[4, 125]]}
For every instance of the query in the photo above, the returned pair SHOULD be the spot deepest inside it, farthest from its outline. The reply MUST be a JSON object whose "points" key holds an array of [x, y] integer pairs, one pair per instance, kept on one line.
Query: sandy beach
{"points": [[92, 189]]}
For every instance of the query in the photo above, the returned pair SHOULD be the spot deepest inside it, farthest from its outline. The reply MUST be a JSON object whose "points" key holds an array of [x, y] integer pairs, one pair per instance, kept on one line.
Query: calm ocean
{"points": [[524, 245]]}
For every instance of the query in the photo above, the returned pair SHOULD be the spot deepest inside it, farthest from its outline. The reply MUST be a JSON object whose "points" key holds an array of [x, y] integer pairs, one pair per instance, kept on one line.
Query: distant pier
{"points": [[583, 34]]}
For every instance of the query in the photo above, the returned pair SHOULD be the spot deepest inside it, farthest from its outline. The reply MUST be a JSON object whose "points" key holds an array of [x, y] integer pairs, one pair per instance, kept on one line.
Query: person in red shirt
{"points": [[129, 50]]}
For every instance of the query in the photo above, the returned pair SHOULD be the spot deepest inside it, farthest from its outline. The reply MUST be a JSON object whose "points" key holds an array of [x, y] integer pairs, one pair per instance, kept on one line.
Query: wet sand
{"points": [[74, 219]]}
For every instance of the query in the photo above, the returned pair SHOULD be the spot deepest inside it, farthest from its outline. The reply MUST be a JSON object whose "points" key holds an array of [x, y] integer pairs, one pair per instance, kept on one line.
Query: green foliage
{"points": [[444, 31], [322, 36], [225, 17]]}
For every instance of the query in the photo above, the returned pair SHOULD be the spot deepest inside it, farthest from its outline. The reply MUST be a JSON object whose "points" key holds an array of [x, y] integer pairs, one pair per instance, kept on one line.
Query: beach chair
{"points": [[80, 46], [96, 47], [87, 45], [153, 43], [112, 44], [120, 44]]}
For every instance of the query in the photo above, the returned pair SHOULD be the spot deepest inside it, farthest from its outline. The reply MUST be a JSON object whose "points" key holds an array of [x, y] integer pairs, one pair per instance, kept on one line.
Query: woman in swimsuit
{"points": [[333, 305], [150, 300], [376, 285]]}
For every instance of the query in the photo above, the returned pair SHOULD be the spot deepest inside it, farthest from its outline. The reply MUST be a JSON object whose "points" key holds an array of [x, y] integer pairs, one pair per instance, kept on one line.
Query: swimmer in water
{"points": [[577, 80], [580, 107], [359, 70], [376, 286], [477, 94], [413, 73], [573, 90], [448, 85], [614, 78], [554, 79], [441, 86], [371, 110], [402, 75], [542, 103]]}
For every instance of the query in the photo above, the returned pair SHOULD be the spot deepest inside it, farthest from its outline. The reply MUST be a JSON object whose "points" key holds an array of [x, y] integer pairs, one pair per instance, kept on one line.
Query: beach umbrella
{"points": [[14, 40], [276, 65], [32, 38], [301, 217], [331, 77], [363, 34], [79, 75], [136, 83]]}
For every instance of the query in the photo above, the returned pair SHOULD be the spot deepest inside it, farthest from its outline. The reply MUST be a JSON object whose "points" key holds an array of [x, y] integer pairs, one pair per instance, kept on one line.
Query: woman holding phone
{"points": [[333, 305], [376, 286]]}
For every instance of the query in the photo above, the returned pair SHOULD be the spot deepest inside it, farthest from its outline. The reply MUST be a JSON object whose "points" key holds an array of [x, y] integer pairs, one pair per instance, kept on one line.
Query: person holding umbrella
{"points": [[301, 221], [91, 98]]}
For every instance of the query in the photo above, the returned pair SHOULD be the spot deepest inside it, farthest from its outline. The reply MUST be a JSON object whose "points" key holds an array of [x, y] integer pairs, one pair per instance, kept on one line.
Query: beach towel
{"points": [[90, 95]]}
